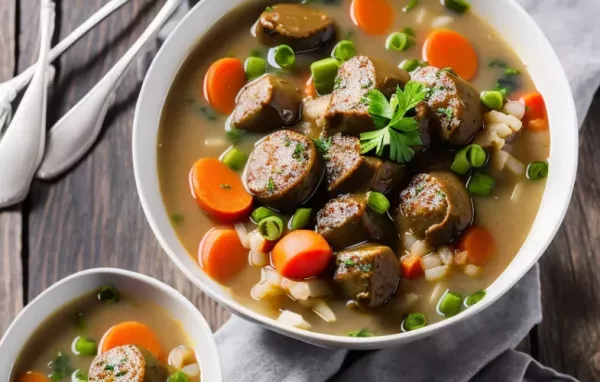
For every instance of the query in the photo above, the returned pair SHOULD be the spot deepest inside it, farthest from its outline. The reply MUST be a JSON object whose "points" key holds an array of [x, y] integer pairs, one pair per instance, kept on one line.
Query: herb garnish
{"points": [[286, 141], [446, 111], [512, 72], [269, 9], [349, 263], [60, 367], [270, 185], [411, 4], [366, 267], [397, 132], [298, 151], [234, 135], [323, 145], [360, 333]]}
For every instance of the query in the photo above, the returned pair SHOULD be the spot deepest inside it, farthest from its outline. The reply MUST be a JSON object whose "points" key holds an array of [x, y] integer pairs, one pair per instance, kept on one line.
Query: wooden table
{"points": [[92, 217]]}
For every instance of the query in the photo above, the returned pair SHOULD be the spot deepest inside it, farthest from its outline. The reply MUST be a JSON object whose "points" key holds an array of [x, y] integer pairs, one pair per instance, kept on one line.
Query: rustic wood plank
{"points": [[11, 286], [569, 336], [92, 216]]}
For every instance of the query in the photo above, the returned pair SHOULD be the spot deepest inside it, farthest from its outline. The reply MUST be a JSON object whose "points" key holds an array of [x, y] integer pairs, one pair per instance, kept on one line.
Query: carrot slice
{"points": [[411, 266], [131, 333], [223, 81], [479, 244], [309, 89], [448, 49], [536, 115], [301, 254], [373, 17], [219, 190], [32, 376], [222, 255]]}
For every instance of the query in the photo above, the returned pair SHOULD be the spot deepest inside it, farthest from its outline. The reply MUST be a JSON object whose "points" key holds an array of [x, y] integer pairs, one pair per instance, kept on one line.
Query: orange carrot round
{"points": [[448, 49], [223, 81], [32, 376], [411, 266], [536, 115], [301, 254], [373, 17], [219, 190], [222, 255], [131, 333], [309, 89], [479, 244]]}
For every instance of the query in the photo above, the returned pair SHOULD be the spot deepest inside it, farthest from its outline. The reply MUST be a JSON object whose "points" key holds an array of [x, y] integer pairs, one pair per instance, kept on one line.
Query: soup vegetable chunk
{"points": [[108, 337], [379, 166]]}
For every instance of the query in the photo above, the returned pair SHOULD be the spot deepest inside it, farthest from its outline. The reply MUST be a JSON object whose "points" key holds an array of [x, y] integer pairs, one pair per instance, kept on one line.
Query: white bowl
{"points": [[132, 284], [509, 20]]}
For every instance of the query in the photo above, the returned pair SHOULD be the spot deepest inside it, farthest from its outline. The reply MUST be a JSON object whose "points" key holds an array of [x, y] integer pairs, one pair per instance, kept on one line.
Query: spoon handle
{"points": [[73, 135], [22, 147]]}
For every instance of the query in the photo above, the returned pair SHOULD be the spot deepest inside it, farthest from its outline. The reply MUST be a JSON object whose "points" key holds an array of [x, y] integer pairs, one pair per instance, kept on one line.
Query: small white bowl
{"points": [[516, 27], [132, 284]]}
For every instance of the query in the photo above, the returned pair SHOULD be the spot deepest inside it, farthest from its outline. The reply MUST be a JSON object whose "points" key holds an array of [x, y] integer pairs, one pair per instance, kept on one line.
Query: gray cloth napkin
{"points": [[478, 349]]}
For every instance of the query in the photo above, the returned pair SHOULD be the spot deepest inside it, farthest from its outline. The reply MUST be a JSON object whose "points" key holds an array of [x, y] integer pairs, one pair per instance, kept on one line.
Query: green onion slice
{"points": [[234, 158], [261, 213], [480, 184], [344, 50], [492, 99], [414, 321], [79, 376], [178, 377], [84, 346], [449, 304], [255, 67], [284, 56], [301, 218], [411, 4], [398, 41], [475, 298], [324, 73], [108, 294], [537, 170], [467, 158], [458, 6], [378, 202], [271, 228], [409, 65]]}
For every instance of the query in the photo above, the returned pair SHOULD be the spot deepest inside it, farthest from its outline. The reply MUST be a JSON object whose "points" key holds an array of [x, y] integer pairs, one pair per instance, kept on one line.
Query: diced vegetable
{"points": [[85, 346], [222, 255], [409, 65], [535, 110], [260, 213], [438, 291], [467, 158], [192, 370], [255, 67], [492, 99], [515, 166], [421, 248], [265, 290], [446, 255], [378, 202], [324, 73], [399, 41], [514, 108], [234, 158], [458, 6], [473, 270], [431, 261], [411, 266], [537, 170], [479, 244], [495, 116], [448, 49], [301, 218], [79, 376], [180, 356], [284, 56], [475, 298], [437, 273], [374, 17], [324, 311], [131, 333], [489, 139], [258, 258], [108, 294], [223, 81], [501, 129], [271, 228], [301, 254], [344, 50], [258, 243], [219, 190], [461, 258], [32, 376], [293, 319], [242, 232], [449, 304], [480, 184], [309, 88], [414, 321], [178, 377]]}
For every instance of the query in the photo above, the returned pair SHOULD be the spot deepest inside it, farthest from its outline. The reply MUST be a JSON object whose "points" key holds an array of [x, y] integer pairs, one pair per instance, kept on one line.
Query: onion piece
{"points": [[180, 356], [318, 288], [514, 108], [431, 261], [501, 129], [300, 291], [242, 232], [258, 259], [293, 319], [499, 117], [272, 277], [461, 257], [498, 160], [489, 139], [192, 370], [446, 255], [409, 240], [438, 290], [473, 270], [515, 166], [421, 248], [321, 308], [437, 273], [441, 21], [265, 290], [421, 16]]}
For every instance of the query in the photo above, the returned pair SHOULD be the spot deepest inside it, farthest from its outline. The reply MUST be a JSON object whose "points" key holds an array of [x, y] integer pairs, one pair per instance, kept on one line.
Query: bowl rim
{"points": [[215, 367], [317, 338]]}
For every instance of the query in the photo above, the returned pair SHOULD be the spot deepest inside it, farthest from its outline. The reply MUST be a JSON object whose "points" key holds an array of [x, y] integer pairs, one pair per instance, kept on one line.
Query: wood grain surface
{"points": [[92, 217]]}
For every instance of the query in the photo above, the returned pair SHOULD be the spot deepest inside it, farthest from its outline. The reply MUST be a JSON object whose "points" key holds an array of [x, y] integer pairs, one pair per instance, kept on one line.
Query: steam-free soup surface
{"points": [[190, 129]]}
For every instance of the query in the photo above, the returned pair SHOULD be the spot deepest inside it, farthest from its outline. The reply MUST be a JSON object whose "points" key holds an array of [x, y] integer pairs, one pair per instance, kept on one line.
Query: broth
{"points": [[189, 131]]}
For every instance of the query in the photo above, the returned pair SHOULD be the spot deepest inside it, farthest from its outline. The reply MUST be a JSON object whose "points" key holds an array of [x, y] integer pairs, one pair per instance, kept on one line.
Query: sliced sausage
{"points": [[434, 206], [455, 105], [347, 112], [127, 363], [284, 170], [267, 104], [349, 172], [368, 273], [347, 220], [300, 26]]}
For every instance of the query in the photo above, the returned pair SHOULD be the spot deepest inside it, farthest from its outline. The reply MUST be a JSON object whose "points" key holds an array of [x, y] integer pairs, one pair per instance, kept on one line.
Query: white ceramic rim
{"points": [[211, 366], [563, 122]]}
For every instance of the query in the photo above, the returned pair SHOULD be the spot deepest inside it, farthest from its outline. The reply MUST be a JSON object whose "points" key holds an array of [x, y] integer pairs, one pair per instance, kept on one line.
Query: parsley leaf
{"points": [[323, 145], [60, 367], [360, 333], [298, 151]]}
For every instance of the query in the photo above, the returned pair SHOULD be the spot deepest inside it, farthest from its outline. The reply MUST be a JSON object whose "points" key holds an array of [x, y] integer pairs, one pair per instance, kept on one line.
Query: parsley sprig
{"points": [[397, 132]]}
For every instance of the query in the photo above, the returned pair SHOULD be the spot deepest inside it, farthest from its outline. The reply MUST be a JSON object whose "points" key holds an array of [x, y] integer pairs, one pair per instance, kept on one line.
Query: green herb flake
{"points": [[109, 367], [366, 268], [270, 185], [269, 9], [225, 186], [445, 111], [323, 145], [177, 218], [349, 263], [121, 373], [298, 151], [286, 141], [337, 83], [234, 135], [360, 333], [410, 6], [512, 72]]}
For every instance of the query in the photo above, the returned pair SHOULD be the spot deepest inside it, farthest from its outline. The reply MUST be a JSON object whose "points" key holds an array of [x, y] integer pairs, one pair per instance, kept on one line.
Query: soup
{"points": [[353, 176], [108, 336]]}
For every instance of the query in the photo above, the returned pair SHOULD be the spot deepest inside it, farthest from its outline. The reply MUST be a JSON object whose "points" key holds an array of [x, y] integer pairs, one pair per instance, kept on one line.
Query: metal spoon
{"points": [[10, 88], [22, 146], [73, 135]]}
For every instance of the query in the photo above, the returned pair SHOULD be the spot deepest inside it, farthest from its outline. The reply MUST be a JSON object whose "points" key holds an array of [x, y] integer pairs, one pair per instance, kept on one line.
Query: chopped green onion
{"points": [[261, 213], [301, 218], [475, 298], [537, 170], [467, 158], [398, 41], [85, 346], [476, 155], [492, 99], [271, 228], [360, 333], [255, 67], [481, 184], [344, 50], [449, 304], [414, 321], [178, 377], [284, 56], [512, 72], [79, 376], [234, 135], [409, 65], [378, 202], [234, 158], [458, 6], [411, 4], [108, 294], [324, 73]]}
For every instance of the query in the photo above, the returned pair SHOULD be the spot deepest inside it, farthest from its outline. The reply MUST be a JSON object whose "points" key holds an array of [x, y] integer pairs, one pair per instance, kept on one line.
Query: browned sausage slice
{"points": [[127, 363]]}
